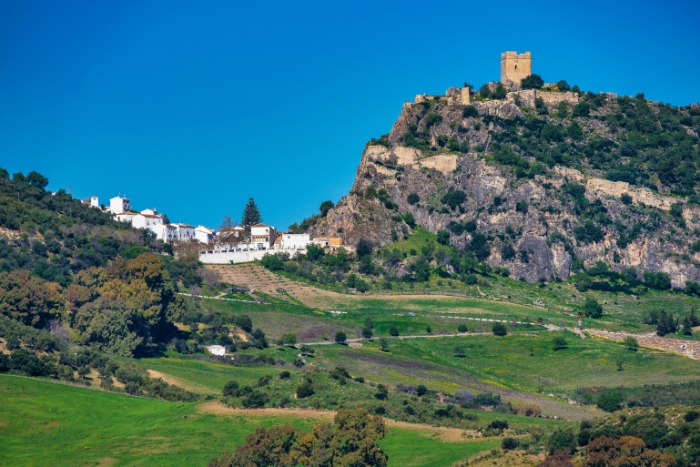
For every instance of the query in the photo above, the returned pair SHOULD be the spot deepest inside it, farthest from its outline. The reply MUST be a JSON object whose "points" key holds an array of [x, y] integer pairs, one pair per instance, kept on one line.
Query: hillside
{"points": [[544, 183]]}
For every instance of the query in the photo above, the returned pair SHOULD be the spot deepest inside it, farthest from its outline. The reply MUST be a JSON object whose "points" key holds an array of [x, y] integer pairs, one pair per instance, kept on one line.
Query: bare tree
{"points": [[228, 235]]}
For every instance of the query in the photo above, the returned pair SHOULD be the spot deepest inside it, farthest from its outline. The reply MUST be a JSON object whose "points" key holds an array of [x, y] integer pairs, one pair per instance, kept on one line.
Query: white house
{"points": [[166, 232], [147, 221], [93, 201], [118, 205], [295, 241], [127, 216], [185, 232], [203, 234], [262, 235], [216, 350]]}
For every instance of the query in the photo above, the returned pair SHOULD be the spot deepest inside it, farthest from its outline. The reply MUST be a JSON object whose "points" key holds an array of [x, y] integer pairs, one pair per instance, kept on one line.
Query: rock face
{"points": [[530, 222]]}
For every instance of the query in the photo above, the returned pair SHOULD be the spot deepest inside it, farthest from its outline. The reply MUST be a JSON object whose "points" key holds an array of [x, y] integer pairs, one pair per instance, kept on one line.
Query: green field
{"points": [[43, 423]]}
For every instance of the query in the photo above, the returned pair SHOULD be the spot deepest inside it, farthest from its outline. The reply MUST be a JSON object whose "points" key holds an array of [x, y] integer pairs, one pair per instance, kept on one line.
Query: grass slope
{"points": [[43, 423]]}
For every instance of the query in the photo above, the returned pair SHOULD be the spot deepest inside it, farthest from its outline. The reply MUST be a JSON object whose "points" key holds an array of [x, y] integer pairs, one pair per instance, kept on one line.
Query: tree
{"points": [[460, 352], [631, 343], [462, 328], [251, 215], [499, 329], [657, 280], [532, 82], [364, 248], [393, 331], [559, 343], [443, 237], [509, 444], [413, 198], [305, 389], [384, 344], [367, 332], [609, 400], [421, 390], [558, 458], [340, 337], [325, 207], [563, 85], [592, 308], [561, 440]]}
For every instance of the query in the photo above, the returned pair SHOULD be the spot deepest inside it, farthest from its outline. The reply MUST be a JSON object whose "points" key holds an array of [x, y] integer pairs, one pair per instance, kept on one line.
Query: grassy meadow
{"points": [[44, 423]]}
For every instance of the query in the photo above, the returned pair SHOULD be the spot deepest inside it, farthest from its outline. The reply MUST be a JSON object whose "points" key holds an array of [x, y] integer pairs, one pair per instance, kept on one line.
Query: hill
{"points": [[545, 183]]}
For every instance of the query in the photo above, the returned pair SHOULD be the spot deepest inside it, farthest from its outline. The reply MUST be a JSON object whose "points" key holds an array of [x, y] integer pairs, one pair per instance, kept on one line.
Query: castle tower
{"points": [[515, 67]]}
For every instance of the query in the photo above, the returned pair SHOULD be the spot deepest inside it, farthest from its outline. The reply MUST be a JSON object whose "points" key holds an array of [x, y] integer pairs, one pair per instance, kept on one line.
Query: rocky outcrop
{"points": [[532, 217]]}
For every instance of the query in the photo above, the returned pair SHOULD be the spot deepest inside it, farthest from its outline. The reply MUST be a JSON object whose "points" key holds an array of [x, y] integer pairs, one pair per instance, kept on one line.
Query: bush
{"points": [[561, 440], [340, 337], [498, 425], [462, 328], [509, 444], [499, 329], [413, 198], [532, 82], [305, 390], [470, 111], [609, 400], [657, 280], [393, 331], [560, 343], [421, 390], [443, 237], [285, 374], [592, 308]]}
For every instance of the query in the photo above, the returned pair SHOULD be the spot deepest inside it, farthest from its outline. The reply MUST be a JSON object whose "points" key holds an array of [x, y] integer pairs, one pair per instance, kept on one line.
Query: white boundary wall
{"points": [[241, 256]]}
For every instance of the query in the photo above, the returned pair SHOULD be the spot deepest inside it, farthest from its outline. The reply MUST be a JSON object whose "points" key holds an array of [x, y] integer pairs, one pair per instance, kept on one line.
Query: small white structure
{"points": [[147, 221], [216, 350], [295, 241], [127, 216], [118, 205], [204, 235], [262, 235], [93, 202], [185, 232], [166, 232]]}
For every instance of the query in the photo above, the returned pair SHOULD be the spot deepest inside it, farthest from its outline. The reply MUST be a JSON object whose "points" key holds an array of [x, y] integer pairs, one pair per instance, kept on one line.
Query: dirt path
{"points": [[184, 384], [452, 435]]}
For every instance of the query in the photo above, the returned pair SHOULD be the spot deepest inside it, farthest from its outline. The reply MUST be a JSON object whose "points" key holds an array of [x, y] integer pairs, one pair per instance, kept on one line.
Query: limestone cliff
{"points": [[522, 186]]}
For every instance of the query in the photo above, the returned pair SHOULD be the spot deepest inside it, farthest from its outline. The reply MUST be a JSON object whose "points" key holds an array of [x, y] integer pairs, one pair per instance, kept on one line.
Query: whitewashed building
{"points": [[185, 232], [118, 205], [204, 235], [147, 221], [92, 201], [262, 235], [295, 241], [127, 216], [167, 233]]}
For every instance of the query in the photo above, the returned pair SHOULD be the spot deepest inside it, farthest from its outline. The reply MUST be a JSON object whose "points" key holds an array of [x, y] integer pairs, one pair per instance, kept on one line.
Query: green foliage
{"points": [[561, 440], [364, 248], [559, 343], [340, 337], [592, 308], [657, 280], [609, 400], [470, 111], [413, 198], [499, 329], [453, 199], [532, 82], [251, 214], [325, 207], [443, 237]]}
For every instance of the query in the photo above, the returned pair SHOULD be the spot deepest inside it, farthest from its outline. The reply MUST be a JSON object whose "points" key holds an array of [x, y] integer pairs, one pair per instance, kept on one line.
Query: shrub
{"points": [[340, 337], [499, 329], [657, 280], [609, 400], [462, 328], [443, 237], [626, 199], [285, 374], [509, 444], [470, 111], [413, 198], [421, 390], [532, 82], [592, 308], [305, 390], [561, 440], [498, 425], [560, 343], [393, 331]]}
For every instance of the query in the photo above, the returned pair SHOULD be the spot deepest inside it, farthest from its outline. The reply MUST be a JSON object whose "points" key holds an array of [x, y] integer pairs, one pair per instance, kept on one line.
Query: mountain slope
{"points": [[543, 183]]}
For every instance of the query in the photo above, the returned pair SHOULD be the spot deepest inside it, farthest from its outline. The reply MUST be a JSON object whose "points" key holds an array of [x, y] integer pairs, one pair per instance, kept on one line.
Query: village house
{"points": [[93, 201], [204, 235], [263, 236], [167, 233], [295, 241], [185, 232], [118, 205], [216, 350]]}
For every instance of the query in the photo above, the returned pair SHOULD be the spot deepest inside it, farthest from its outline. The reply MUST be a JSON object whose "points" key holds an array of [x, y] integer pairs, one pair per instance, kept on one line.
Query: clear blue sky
{"points": [[192, 107]]}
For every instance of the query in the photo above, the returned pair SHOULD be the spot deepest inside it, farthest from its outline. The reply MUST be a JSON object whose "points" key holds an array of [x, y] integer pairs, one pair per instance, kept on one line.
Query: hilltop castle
{"points": [[515, 66]]}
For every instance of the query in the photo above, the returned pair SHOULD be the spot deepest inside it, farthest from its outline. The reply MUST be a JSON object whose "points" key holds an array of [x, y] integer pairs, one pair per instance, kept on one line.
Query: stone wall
{"points": [[688, 348], [527, 97]]}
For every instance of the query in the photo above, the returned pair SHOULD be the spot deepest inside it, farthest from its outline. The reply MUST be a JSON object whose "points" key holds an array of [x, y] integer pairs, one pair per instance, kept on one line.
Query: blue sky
{"points": [[193, 107]]}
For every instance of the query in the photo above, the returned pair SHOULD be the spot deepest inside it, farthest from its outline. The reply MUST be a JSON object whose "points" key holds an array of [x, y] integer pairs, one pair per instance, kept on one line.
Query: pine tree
{"points": [[251, 214], [687, 327], [693, 318]]}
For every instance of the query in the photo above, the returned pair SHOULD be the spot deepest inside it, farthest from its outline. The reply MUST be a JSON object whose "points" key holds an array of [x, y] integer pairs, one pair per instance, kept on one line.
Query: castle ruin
{"points": [[515, 66]]}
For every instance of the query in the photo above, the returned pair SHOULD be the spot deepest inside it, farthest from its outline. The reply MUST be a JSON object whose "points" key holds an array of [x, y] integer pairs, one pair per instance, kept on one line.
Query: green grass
{"points": [[43, 423], [505, 362]]}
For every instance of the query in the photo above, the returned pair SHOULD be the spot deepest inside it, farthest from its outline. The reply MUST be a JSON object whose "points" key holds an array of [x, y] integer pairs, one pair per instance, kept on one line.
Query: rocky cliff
{"points": [[552, 180]]}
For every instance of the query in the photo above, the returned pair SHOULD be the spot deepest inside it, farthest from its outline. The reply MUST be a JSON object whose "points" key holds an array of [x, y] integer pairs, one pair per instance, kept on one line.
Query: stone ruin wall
{"points": [[515, 67]]}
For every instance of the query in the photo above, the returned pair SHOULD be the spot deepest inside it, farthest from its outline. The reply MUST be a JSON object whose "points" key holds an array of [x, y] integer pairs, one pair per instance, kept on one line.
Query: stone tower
{"points": [[515, 67]]}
